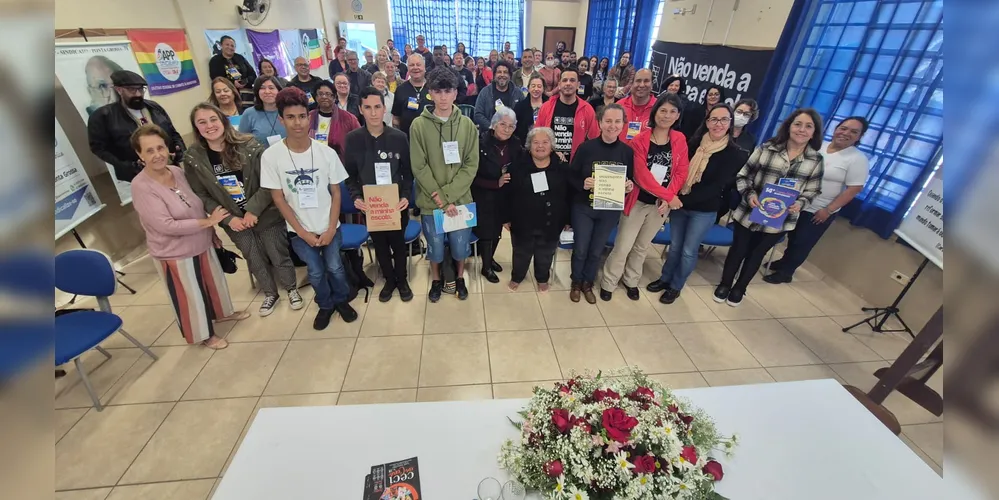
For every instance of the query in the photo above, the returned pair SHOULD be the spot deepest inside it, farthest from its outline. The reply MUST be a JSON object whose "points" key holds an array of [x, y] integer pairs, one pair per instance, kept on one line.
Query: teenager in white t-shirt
{"points": [[304, 176], [844, 177]]}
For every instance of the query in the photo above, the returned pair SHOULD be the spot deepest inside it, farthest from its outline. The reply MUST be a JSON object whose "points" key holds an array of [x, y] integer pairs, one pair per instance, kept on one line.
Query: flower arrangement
{"points": [[615, 438]]}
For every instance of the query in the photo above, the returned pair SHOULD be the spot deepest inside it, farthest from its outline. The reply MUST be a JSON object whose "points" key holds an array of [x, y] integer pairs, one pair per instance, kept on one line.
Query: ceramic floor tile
{"points": [[173, 337], [384, 363], [102, 373], [561, 278], [193, 442], [188, 490], [688, 308], [66, 419], [888, 345], [709, 269], [394, 317], [771, 344], [142, 265], [749, 309], [455, 393], [92, 494], [782, 301], [711, 346], [138, 282], [338, 328], [826, 339], [450, 315], [519, 390], [622, 311], [280, 325], [690, 380], [651, 348], [513, 311], [560, 312], [154, 295], [929, 438], [166, 379], [145, 323], [737, 377], [526, 286], [586, 350], [915, 449], [310, 366], [116, 435], [240, 289], [829, 299], [522, 356], [239, 370], [377, 397], [808, 372], [454, 359]]}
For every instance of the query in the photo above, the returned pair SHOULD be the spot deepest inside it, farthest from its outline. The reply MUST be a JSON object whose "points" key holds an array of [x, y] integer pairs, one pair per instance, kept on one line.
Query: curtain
{"points": [[882, 60], [617, 26], [482, 25], [434, 19]]}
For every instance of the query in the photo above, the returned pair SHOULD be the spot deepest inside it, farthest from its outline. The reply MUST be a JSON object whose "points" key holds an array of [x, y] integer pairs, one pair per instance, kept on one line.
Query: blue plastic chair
{"points": [[87, 272], [413, 231], [663, 237]]}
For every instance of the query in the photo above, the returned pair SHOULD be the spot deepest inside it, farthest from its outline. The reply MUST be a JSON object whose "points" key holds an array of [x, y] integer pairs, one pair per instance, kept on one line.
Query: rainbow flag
{"points": [[310, 47], [165, 60]]}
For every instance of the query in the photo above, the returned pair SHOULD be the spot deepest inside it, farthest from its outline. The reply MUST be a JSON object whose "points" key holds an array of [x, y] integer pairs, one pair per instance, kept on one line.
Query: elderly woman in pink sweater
{"points": [[180, 237]]}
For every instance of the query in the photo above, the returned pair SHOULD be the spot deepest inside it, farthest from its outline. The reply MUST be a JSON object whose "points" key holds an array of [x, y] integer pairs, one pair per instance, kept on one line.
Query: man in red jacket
{"points": [[572, 119], [637, 106]]}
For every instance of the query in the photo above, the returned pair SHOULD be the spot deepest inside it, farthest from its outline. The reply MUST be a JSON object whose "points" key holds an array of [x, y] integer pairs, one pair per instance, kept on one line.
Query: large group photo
{"points": [[562, 249]]}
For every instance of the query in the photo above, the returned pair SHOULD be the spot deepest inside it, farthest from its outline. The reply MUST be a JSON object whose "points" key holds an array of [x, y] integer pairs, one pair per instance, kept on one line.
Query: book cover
{"points": [[774, 201], [395, 481], [608, 186], [467, 217]]}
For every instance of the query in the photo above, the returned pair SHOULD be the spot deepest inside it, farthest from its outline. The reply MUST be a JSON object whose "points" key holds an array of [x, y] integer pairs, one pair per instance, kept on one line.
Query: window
{"points": [[482, 25], [655, 30], [617, 26]]}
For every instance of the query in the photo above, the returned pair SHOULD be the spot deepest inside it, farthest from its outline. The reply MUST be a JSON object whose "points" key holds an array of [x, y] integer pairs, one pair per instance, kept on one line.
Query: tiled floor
{"points": [[171, 427]]}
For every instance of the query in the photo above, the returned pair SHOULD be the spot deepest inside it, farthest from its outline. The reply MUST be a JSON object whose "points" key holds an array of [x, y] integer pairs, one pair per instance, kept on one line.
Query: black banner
{"points": [[739, 71]]}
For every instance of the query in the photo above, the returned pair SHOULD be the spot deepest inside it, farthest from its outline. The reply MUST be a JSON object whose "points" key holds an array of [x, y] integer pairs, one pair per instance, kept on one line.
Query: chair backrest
{"points": [[467, 110], [346, 202], [85, 272]]}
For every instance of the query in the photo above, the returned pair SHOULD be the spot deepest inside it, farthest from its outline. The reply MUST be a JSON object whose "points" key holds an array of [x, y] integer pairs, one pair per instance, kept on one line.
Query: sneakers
{"points": [[777, 278], [490, 276], [322, 319], [633, 292], [605, 295], [295, 299], [669, 296], [436, 287], [346, 312], [657, 286], [405, 293], [268, 305], [461, 290], [735, 297], [721, 293], [588, 292], [574, 291], [386, 294]]}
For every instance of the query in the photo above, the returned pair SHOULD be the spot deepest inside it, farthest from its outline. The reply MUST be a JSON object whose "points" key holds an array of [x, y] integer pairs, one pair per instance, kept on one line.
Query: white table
{"points": [[799, 440]]}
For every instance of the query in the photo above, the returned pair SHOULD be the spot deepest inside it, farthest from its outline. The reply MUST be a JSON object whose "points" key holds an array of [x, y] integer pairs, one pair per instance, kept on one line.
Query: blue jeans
{"points": [[686, 232], [326, 272], [590, 230], [460, 241], [800, 243]]}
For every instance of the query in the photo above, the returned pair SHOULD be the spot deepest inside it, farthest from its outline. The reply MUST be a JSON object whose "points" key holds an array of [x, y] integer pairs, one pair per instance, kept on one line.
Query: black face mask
{"points": [[138, 102]]}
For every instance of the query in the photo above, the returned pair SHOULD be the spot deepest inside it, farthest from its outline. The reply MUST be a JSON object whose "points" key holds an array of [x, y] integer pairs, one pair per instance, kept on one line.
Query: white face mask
{"points": [[740, 120], [550, 63]]}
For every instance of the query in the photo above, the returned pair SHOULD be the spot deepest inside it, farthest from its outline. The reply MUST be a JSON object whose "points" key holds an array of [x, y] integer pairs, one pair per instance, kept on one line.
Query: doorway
{"points": [[555, 34]]}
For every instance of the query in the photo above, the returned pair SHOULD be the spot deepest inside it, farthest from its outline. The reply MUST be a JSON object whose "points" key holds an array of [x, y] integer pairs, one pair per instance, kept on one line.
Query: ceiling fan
{"points": [[254, 11]]}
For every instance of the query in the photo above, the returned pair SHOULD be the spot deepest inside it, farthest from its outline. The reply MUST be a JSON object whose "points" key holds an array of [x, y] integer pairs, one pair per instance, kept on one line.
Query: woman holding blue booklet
{"points": [[791, 159]]}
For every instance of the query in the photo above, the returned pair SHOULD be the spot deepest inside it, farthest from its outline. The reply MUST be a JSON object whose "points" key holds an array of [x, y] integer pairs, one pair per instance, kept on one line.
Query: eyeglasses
{"points": [[744, 113], [324, 94], [723, 120]]}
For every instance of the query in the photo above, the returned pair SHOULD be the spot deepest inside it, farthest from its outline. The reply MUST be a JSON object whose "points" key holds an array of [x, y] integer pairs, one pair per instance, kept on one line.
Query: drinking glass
{"points": [[489, 489]]}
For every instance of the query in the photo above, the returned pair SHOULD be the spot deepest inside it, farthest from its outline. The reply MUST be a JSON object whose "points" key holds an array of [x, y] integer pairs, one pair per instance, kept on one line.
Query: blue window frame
{"points": [[482, 25]]}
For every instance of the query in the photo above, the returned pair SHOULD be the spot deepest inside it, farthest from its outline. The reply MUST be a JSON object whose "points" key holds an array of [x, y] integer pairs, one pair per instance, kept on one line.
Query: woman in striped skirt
{"points": [[180, 238]]}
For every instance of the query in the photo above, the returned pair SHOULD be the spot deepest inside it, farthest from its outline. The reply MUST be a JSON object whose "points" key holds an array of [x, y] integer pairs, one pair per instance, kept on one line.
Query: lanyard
{"points": [[312, 151]]}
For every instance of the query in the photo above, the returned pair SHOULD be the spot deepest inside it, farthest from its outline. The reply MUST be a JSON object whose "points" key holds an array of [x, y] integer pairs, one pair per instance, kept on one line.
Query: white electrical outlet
{"points": [[899, 277]]}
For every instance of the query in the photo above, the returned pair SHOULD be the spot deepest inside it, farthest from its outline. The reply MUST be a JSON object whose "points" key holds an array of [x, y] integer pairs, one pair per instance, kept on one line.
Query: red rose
{"points": [[575, 421], [564, 389], [687, 419], [618, 424], [571, 383], [672, 409], [715, 469], [645, 464], [560, 418], [601, 394], [553, 468], [689, 454], [642, 393]]}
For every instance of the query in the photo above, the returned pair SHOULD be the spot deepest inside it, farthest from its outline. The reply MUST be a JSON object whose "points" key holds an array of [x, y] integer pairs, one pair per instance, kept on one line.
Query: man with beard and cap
{"points": [[637, 105], [498, 93], [110, 127]]}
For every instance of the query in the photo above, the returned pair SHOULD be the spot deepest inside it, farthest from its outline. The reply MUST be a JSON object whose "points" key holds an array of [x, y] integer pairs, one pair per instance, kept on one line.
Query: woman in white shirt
{"points": [[844, 177], [380, 81]]}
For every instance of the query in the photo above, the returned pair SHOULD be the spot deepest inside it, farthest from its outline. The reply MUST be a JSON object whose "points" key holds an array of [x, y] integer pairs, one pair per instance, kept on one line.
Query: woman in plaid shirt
{"points": [[790, 159]]}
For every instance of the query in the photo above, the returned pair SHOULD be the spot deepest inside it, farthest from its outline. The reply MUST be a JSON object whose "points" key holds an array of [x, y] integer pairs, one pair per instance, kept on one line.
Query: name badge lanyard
{"points": [[454, 135], [312, 164], [274, 129]]}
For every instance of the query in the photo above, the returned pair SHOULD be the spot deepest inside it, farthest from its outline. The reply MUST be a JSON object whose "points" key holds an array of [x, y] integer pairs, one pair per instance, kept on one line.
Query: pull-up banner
{"points": [[739, 71]]}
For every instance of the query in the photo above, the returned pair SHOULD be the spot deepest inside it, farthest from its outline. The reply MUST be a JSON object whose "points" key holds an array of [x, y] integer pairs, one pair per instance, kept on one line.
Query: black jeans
{"points": [[747, 251], [487, 248], [590, 230], [800, 242], [391, 252], [537, 247]]}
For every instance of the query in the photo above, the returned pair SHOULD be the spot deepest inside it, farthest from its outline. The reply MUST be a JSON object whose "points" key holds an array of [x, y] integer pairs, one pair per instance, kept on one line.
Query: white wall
{"points": [[555, 13], [738, 23], [373, 11]]}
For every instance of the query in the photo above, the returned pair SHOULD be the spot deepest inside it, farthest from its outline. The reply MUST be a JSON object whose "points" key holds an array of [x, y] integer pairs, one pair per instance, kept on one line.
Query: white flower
{"points": [[560, 486], [622, 461], [578, 494]]}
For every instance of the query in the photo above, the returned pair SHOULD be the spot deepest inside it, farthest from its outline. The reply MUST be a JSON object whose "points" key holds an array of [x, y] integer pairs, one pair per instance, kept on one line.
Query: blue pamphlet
{"points": [[774, 201], [466, 218]]}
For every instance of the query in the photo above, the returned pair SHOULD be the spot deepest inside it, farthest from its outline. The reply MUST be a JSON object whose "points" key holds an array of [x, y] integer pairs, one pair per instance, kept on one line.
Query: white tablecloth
{"points": [[799, 440]]}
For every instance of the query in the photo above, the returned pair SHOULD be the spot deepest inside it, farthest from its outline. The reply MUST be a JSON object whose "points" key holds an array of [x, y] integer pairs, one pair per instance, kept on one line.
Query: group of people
{"points": [[272, 175]]}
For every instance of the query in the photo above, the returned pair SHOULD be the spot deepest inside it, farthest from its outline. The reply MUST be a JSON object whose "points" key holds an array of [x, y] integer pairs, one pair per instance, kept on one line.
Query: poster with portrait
{"points": [[75, 197], [84, 69]]}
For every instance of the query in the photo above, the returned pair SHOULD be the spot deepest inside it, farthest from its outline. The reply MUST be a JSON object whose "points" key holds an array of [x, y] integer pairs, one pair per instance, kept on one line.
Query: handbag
{"points": [[227, 259]]}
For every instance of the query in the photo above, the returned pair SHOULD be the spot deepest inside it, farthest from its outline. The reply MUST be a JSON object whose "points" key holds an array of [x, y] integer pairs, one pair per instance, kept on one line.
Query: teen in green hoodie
{"points": [[444, 152]]}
